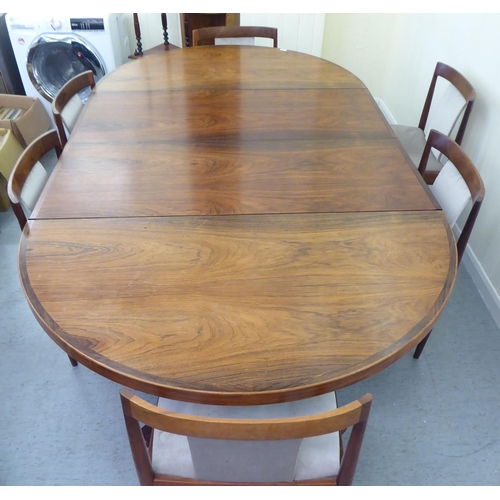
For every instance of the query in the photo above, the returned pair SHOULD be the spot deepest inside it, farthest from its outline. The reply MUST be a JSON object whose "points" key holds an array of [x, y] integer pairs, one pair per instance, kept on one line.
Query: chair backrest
{"points": [[67, 105], [28, 177], [255, 431], [457, 184], [209, 36], [457, 101]]}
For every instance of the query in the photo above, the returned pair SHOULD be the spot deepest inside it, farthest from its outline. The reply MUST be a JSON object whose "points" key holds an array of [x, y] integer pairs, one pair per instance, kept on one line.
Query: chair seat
{"points": [[33, 187], [248, 461], [413, 141], [71, 112], [451, 192]]}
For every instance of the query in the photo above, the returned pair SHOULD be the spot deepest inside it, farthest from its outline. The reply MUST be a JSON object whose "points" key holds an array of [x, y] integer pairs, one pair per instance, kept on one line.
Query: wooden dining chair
{"points": [[67, 104], [282, 444], [457, 185], [233, 35], [28, 178], [441, 114]]}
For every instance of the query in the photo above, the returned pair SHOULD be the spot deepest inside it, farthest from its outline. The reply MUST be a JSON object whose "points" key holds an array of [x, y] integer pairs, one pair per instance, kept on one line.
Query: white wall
{"points": [[395, 56], [299, 32]]}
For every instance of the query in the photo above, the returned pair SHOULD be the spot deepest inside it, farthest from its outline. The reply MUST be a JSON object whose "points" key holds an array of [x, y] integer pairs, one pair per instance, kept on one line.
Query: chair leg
{"points": [[73, 361], [420, 347]]}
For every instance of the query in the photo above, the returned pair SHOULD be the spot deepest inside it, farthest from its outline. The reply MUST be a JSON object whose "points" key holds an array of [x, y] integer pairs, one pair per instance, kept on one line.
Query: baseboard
{"points": [[385, 110], [480, 278]]}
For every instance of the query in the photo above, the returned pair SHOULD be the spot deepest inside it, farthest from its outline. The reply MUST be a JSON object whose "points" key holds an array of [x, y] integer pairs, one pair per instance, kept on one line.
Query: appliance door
{"points": [[53, 59]]}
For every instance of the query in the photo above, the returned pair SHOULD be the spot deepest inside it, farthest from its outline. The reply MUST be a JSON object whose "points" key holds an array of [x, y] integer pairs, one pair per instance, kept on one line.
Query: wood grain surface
{"points": [[228, 151], [229, 68], [328, 260], [239, 307], [241, 115], [248, 177]]}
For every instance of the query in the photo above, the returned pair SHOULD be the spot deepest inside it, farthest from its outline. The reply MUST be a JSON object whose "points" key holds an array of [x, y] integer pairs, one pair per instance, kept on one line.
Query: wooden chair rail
{"points": [[71, 88], [209, 34], [463, 86], [31, 155], [452, 150], [40, 146], [136, 410]]}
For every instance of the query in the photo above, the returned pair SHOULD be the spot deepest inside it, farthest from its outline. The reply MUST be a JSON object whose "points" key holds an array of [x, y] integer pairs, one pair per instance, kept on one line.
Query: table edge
{"points": [[134, 380]]}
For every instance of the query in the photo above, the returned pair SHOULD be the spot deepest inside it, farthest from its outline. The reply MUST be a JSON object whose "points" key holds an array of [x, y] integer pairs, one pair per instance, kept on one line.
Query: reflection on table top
{"points": [[235, 225]]}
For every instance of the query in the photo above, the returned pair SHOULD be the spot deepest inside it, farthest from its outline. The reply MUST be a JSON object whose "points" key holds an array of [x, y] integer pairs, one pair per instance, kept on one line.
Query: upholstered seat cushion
{"points": [[234, 41], [71, 112], [451, 192], [252, 461], [413, 141], [33, 186]]}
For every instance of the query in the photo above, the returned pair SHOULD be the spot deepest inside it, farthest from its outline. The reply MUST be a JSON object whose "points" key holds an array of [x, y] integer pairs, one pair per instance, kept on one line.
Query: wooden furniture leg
{"points": [[420, 347]]}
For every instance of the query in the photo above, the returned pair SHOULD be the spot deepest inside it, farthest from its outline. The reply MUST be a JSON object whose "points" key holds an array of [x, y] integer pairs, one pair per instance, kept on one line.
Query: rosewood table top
{"points": [[235, 225]]}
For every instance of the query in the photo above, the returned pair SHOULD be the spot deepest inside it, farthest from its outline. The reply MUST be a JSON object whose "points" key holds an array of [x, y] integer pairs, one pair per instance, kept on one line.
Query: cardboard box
{"points": [[33, 122], [10, 151]]}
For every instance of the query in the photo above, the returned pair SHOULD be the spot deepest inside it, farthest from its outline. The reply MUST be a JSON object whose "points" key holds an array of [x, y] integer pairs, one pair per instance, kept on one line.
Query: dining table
{"points": [[235, 225]]}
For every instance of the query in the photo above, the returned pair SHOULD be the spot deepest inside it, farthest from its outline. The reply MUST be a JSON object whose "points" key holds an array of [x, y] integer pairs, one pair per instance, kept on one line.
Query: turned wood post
{"points": [[137, 27], [165, 28]]}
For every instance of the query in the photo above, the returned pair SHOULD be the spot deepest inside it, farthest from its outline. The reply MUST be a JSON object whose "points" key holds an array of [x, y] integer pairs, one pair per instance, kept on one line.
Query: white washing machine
{"points": [[51, 50]]}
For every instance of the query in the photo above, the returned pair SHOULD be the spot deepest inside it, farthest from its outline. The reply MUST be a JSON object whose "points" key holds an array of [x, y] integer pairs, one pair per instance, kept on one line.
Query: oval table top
{"points": [[235, 225]]}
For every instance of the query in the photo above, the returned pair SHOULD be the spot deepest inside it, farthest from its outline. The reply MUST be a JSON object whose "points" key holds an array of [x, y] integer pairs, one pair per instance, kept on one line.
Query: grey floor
{"points": [[434, 421]]}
